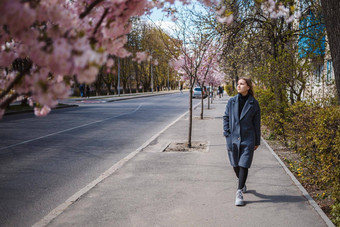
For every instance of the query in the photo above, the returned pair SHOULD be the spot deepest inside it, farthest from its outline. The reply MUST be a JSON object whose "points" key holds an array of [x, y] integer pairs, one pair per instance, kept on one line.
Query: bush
{"points": [[271, 114], [229, 89], [313, 132]]}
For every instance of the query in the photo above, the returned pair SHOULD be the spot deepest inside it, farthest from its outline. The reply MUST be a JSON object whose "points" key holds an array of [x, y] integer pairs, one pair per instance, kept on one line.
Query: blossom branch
{"points": [[11, 85], [100, 21], [89, 8], [7, 101]]}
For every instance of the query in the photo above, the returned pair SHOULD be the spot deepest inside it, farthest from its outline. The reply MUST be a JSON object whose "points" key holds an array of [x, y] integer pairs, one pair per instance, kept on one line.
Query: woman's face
{"points": [[242, 87]]}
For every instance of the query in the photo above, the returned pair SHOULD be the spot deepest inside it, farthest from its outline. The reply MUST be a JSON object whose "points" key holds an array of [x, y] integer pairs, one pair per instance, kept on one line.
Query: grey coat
{"points": [[242, 133]]}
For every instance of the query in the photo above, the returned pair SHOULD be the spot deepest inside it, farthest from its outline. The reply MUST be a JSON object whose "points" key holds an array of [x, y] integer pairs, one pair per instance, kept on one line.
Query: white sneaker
{"points": [[244, 189], [239, 198]]}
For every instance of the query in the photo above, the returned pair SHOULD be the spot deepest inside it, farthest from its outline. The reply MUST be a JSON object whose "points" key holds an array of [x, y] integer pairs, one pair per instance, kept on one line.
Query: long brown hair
{"points": [[249, 83]]}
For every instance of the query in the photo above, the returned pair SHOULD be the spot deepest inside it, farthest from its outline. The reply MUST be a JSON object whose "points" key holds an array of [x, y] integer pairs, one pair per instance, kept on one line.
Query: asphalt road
{"points": [[43, 161]]}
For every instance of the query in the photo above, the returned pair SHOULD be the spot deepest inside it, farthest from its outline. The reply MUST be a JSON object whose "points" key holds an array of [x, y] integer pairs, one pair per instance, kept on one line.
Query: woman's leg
{"points": [[243, 174], [237, 171]]}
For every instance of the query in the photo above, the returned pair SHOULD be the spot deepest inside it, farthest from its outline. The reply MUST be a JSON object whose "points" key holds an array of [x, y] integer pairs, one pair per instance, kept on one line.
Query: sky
{"points": [[160, 19]]}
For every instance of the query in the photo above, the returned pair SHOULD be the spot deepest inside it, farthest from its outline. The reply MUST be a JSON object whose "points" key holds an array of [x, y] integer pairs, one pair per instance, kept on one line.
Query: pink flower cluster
{"points": [[276, 10], [220, 16], [203, 66], [61, 38]]}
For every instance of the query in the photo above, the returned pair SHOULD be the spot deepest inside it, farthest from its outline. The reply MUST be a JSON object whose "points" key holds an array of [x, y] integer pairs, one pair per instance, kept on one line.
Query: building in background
{"points": [[313, 46]]}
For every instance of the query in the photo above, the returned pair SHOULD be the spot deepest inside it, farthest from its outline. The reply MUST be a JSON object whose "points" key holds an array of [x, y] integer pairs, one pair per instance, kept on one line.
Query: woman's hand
{"points": [[255, 147]]}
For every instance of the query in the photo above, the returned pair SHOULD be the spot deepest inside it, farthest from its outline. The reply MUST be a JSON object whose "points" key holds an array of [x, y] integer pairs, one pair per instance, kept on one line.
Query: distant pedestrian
{"points": [[88, 91], [181, 88], [81, 89], [241, 126], [220, 91]]}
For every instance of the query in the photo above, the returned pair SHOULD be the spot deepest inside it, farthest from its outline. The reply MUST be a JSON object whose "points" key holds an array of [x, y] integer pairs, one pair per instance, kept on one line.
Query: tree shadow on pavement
{"points": [[275, 198]]}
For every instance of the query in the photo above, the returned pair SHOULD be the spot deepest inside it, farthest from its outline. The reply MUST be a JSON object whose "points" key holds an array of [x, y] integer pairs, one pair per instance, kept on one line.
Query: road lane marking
{"points": [[62, 207], [70, 129]]}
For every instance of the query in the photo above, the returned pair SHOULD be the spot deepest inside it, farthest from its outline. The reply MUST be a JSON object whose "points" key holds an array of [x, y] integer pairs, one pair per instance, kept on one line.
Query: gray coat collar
{"points": [[249, 104]]}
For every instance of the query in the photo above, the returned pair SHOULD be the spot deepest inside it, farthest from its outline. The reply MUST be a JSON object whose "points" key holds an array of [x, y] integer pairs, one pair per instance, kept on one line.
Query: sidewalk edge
{"points": [[302, 189]]}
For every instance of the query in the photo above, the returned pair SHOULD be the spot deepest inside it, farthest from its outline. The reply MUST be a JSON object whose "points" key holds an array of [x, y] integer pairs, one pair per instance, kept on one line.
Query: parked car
{"points": [[197, 93]]}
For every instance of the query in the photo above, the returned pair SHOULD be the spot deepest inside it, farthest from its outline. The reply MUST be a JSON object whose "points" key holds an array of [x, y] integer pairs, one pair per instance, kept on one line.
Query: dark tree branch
{"points": [[11, 85], [89, 8], [100, 21], [7, 101]]}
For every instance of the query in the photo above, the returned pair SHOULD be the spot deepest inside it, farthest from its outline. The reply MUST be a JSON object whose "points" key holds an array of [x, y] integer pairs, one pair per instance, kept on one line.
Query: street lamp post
{"points": [[118, 76], [151, 77], [168, 79]]}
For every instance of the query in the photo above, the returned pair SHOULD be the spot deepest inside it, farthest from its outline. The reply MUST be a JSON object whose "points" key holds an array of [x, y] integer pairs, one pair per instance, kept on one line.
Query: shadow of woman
{"points": [[275, 198]]}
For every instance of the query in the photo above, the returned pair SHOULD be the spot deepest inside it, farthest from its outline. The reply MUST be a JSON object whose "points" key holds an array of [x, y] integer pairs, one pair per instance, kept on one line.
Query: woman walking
{"points": [[241, 125]]}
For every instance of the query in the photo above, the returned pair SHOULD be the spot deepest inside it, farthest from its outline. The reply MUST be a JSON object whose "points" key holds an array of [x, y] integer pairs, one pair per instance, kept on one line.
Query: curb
{"points": [[75, 197], [116, 98], [137, 96], [302, 189], [31, 111], [113, 98]]}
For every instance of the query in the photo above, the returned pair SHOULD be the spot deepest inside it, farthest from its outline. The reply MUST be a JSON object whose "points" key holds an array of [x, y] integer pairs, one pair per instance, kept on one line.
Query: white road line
{"points": [[62, 207], [70, 129]]}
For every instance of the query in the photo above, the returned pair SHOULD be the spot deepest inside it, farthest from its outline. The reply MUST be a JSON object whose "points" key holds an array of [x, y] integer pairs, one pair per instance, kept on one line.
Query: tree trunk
{"points": [[190, 113], [202, 104], [209, 96], [108, 87], [331, 12]]}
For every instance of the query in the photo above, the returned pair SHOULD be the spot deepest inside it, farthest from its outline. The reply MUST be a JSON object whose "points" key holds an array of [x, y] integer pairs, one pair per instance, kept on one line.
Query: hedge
{"points": [[312, 131]]}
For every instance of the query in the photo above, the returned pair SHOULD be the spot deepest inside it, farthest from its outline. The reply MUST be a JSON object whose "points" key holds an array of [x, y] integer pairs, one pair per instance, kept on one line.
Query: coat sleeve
{"points": [[257, 124], [226, 126]]}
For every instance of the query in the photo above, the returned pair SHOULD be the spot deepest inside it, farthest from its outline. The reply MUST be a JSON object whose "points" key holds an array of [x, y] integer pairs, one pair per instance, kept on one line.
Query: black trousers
{"points": [[242, 174]]}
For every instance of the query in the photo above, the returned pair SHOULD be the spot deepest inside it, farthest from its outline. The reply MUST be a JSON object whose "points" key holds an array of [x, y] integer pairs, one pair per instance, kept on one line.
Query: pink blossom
{"points": [[269, 8], [221, 11], [9, 14], [6, 58], [141, 56], [41, 112], [110, 63], [177, 63], [30, 102], [227, 20], [88, 75]]}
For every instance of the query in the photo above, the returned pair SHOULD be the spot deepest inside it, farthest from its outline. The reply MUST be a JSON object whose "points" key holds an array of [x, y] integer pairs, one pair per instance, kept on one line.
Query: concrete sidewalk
{"points": [[157, 188]]}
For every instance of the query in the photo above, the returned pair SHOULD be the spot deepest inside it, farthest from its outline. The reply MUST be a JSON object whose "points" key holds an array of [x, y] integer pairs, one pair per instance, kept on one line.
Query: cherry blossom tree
{"points": [[198, 58], [210, 72], [45, 44]]}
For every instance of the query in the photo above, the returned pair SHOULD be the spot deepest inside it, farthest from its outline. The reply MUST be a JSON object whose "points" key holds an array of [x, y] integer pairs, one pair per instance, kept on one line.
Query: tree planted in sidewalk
{"points": [[210, 72], [198, 62]]}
